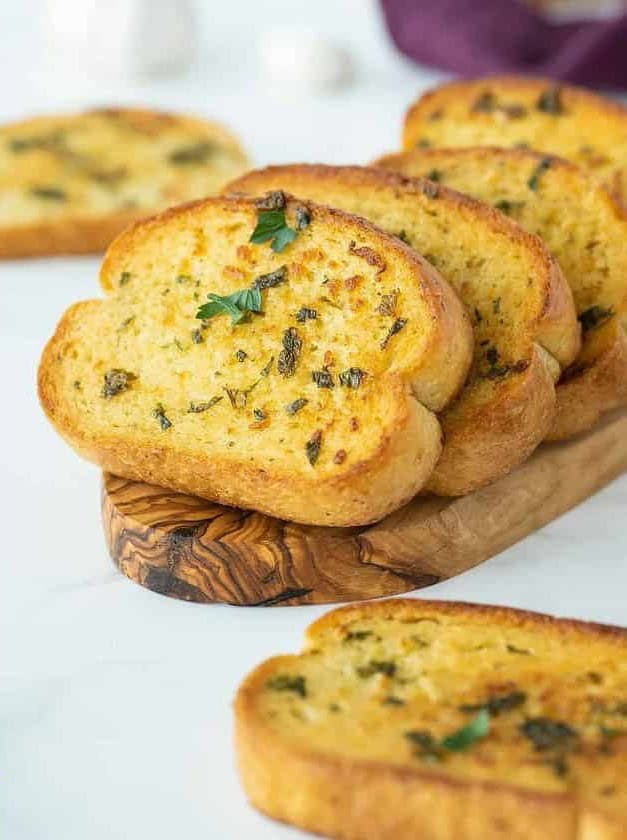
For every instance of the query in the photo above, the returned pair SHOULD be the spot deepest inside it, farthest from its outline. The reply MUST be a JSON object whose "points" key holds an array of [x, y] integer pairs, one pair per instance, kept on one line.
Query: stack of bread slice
{"points": [[323, 343]]}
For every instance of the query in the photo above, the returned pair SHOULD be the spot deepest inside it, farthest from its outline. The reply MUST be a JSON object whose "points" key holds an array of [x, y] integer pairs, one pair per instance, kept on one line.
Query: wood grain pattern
{"points": [[189, 548]]}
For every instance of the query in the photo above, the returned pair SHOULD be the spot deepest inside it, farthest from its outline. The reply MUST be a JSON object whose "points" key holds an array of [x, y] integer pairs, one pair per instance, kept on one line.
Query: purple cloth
{"points": [[477, 37]]}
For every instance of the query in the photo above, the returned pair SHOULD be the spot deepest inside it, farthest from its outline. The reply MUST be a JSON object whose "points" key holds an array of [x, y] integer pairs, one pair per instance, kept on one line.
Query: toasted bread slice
{"points": [[293, 395], [562, 120], [69, 184], [524, 320], [413, 719], [584, 228]]}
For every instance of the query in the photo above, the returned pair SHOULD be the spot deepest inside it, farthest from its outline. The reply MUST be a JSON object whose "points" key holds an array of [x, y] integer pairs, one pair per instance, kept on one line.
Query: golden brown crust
{"points": [[76, 232], [585, 393], [64, 236], [486, 440], [364, 491], [358, 799]]}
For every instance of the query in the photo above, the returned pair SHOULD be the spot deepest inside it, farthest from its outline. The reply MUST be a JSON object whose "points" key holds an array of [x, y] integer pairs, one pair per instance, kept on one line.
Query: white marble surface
{"points": [[115, 716]]}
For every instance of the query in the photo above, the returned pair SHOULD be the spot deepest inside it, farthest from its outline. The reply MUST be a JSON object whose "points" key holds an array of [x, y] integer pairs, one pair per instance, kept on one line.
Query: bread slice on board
{"points": [[524, 320], [584, 228], [413, 719], [562, 120], [244, 354], [69, 184]]}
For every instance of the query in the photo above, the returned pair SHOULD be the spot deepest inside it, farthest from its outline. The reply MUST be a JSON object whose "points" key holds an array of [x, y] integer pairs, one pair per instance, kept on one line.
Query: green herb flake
{"points": [[312, 447], [377, 666], [392, 700], [546, 734], [288, 682], [295, 406], [158, 413], [193, 154], [323, 378], [116, 381], [426, 746], [303, 218], [241, 355], [506, 206], [124, 278], [595, 316], [497, 704], [434, 175], [467, 735], [402, 235], [197, 337], [259, 415], [550, 101], [423, 143], [288, 357], [396, 327], [236, 305], [357, 635], [49, 193], [352, 378], [305, 313], [269, 281], [198, 408], [513, 649], [271, 222], [534, 179]]}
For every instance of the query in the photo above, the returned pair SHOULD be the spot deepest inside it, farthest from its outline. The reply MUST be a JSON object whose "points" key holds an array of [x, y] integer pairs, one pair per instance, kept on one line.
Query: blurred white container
{"points": [[121, 39], [295, 59]]}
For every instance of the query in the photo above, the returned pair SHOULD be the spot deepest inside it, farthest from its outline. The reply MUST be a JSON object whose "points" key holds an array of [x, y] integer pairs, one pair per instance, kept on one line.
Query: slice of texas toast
{"points": [[69, 184], [290, 391], [567, 121], [584, 228], [524, 320], [414, 719]]}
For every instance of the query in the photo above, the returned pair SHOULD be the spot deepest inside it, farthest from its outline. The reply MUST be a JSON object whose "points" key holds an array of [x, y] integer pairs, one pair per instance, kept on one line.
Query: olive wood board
{"points": [[192, 549]]}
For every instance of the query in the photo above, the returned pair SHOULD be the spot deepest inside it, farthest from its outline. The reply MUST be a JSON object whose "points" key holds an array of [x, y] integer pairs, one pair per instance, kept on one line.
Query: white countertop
{"points": [[115, 717]]}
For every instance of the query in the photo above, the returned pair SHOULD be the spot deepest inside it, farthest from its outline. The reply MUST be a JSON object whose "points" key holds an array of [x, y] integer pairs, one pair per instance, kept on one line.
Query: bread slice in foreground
{"points": [[524, 320], [69, 184], [413, 719], [293, 391], [563, 120], [584, 228]]}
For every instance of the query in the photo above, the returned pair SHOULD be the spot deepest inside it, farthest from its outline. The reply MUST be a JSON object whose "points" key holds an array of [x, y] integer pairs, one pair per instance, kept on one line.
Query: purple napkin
{"points": [[476, 37]]}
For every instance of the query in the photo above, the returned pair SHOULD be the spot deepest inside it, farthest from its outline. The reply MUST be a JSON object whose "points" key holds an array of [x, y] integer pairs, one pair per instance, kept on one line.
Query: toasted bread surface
{"points": [[584, 228], [407, 718], [71, 183], [563, 120], [317, 409], [524, 321]]}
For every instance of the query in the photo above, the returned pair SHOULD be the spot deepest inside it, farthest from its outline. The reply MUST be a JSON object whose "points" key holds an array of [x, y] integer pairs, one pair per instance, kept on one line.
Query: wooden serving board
{"points": [[189, 548]]}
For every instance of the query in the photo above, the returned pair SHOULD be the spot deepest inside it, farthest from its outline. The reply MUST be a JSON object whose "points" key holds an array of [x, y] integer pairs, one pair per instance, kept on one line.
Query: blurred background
{"points": [[325, 80]]}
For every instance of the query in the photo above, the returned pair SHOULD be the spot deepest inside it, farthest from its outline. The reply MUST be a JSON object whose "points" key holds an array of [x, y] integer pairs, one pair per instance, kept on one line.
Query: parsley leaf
{"points": [[271, 225], [467, 735], [236, 304]]}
